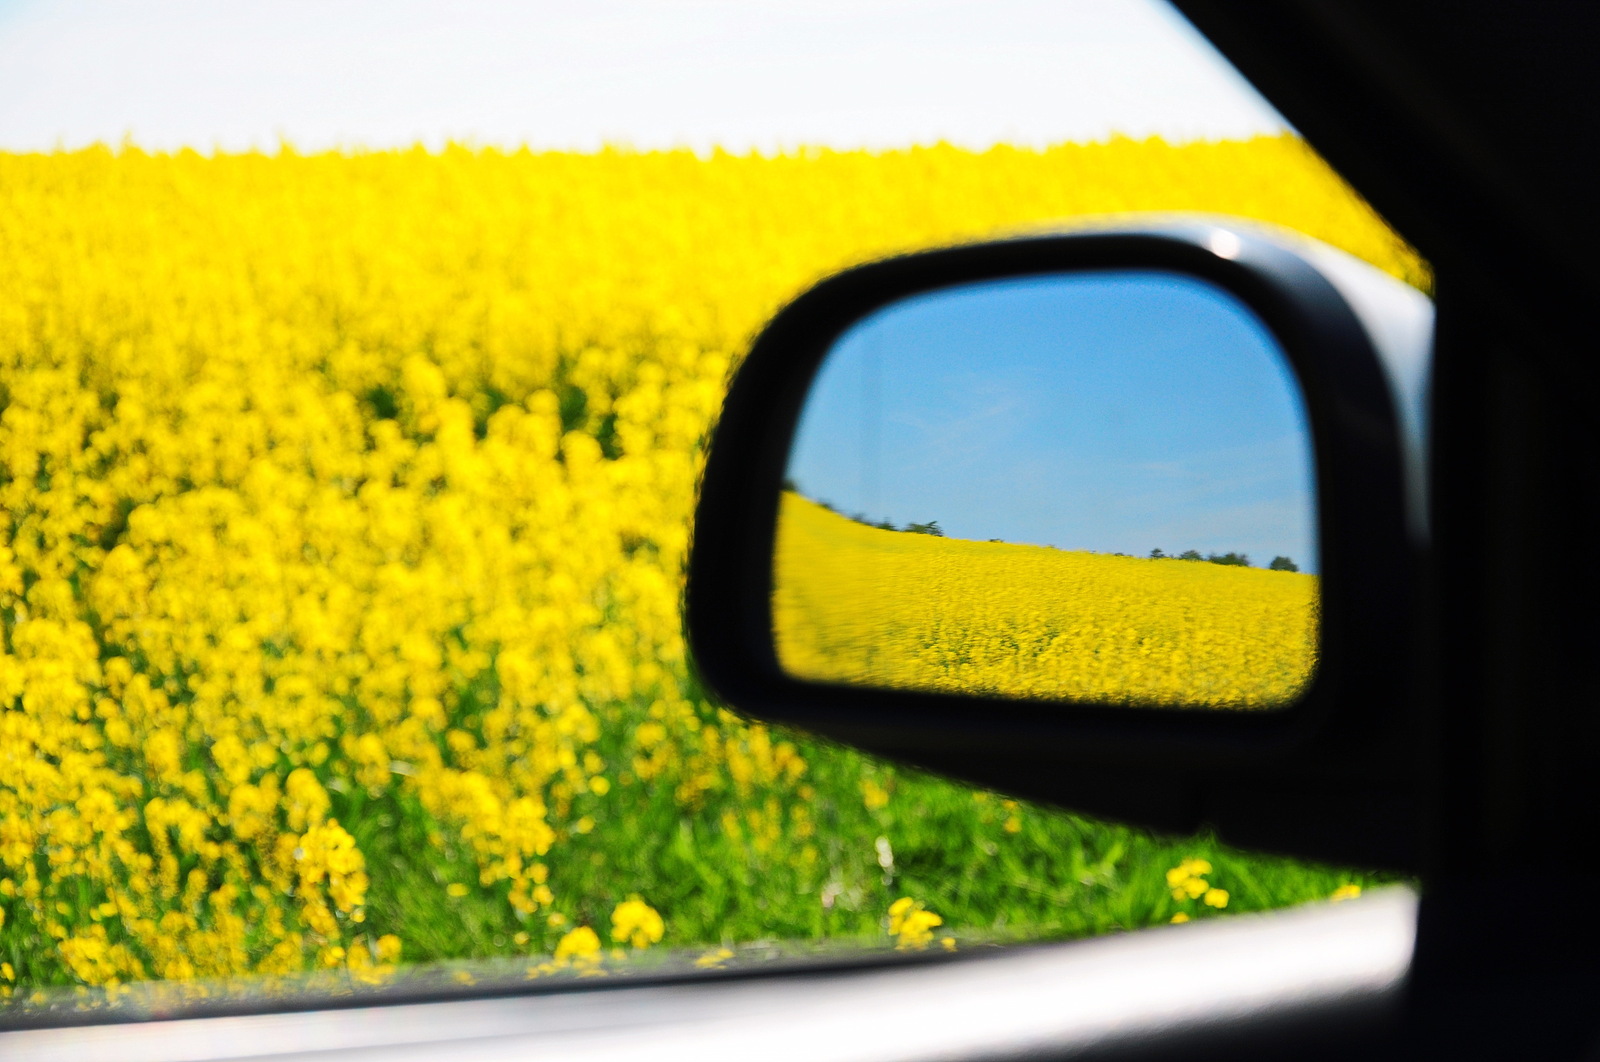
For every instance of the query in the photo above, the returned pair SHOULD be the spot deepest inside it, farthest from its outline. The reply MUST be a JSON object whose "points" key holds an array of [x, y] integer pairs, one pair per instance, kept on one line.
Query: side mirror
{"points": [[991, 510]]}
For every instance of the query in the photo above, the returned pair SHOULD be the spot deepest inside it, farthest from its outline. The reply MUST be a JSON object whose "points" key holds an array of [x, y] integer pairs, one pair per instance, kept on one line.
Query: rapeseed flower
{"points": [[335, 480], [1187, 883], [862, 605], [637, 923], [579, 947], [912, 924]]}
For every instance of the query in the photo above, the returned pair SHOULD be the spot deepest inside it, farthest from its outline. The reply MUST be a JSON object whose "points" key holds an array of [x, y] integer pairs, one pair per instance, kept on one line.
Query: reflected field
{"points": [[862, 605]]}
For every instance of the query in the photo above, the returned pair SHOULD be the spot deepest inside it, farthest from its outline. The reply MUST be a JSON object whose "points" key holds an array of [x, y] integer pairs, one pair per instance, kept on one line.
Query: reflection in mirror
{"points": [[1094, 487]]}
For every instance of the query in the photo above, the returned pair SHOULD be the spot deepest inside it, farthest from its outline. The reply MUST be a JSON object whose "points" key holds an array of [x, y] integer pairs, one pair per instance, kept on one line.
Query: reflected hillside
{"points": [[868, 606]]}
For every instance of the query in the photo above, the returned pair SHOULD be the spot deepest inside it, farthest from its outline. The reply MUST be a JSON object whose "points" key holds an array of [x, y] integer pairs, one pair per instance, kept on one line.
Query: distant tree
{"points": [[1156, 554], [1283, 564], [790, 485], [930, 528], [1191, 554], [885, 525], [1238, 560], [828, 505]]}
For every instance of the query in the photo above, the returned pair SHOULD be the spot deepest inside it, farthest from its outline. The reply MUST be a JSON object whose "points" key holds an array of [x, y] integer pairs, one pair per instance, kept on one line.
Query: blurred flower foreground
{"points": [[345, 501]]}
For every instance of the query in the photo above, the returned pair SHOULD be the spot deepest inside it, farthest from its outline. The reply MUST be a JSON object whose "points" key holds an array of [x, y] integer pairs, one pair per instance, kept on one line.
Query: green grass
{"points": [[1055, 875], [812, 869]]}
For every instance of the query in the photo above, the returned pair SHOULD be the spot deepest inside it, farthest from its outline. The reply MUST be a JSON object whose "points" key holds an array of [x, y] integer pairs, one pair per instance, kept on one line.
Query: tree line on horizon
{"points": [[1241, 560], [1232, 558], [930, 528]]}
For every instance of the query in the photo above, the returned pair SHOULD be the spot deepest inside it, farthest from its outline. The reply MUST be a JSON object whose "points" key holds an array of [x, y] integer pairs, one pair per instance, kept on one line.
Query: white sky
{"points": [[744, 74]]}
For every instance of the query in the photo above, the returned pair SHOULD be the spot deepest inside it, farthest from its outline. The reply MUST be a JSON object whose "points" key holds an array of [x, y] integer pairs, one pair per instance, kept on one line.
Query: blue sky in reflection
{"points": [[1116, 412]]}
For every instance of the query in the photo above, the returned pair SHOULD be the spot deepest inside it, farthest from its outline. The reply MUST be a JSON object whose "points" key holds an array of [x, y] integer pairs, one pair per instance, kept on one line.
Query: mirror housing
{"points": [[1332, 777]]}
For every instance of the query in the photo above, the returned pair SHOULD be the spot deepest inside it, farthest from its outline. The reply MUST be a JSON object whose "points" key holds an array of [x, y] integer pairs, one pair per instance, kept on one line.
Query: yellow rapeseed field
{"points": [[344, 486], [862, 605]]}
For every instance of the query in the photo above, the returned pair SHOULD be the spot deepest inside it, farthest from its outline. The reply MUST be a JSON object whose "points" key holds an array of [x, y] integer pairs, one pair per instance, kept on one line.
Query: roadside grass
{"points": [[995, 870]]}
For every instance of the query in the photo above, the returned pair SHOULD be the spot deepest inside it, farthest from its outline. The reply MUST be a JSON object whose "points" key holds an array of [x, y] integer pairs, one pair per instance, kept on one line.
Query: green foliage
{"points": [[1231, 558], [1238, 560], [992, 868], [1283, 564]]}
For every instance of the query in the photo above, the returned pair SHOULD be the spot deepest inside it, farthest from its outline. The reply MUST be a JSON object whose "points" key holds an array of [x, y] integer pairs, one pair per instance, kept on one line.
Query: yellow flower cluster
{"points": [[637, 923], [579, 948], [1188, 883], [633, 922], [863, 605], [338, 479], [911, 924]]}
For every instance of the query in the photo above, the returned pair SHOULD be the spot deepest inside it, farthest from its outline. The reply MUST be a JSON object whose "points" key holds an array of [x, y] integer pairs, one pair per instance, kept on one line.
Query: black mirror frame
{"points": [[1160, 767]]}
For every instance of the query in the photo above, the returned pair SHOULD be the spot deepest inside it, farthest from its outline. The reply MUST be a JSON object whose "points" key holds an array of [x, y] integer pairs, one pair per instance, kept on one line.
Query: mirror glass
{"points": [[1092, 487]]}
